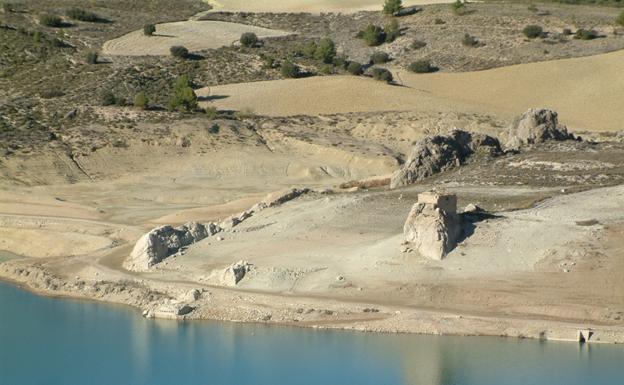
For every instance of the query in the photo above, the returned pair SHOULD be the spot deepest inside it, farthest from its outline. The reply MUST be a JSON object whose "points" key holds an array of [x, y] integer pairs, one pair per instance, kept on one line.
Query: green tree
{"points": [[325, 51], [179, 51], [355, 68], [184, 96], [392, 6], [532, 31], [149, 29], [249, 39], [458, 7]]}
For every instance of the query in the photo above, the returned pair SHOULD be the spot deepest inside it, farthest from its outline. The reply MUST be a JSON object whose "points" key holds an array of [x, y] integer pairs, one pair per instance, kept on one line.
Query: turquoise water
{"points": [[53, 341]]}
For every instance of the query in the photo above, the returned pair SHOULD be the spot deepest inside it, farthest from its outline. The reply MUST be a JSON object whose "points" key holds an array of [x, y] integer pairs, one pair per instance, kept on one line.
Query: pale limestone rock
{"points": [[536, 126], [433, 226], [234, 273]]}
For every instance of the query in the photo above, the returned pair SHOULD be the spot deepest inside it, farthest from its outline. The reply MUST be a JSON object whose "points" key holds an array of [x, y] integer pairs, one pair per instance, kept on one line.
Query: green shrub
{"points": [[373, 35], [340, 62], [355, 68], [184, 97], [458, 7], [179, 51], [268, 61], [82, 15], [470, 41], [289, 69], [92, 57], [108, 98], [439, 22], [212, 113], [620, 19], [379, 58], [309, 50], [392, 31], [418, 44], [325, 51], [586, 34], [141, 100], [392, 6], [51, 93], [249, 39], [533, 31], [566, 32], [532, 8], [149, 29], [50, 20], [326, 69], [382, 74], [422, 67]]}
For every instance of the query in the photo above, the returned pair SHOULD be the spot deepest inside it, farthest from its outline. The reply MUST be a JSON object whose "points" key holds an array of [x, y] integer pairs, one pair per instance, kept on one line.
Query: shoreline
{"points": [[332, 315]]}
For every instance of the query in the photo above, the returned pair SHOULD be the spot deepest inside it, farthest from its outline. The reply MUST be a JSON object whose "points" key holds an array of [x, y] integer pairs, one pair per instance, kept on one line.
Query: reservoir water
{"points": [[70, 342]]}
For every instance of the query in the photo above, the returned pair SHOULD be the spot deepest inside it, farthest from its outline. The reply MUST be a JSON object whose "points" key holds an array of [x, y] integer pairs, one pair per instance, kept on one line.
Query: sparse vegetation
{"points": [[470, 41], [179, 51], [212, 113], [422, 67], [92, 57], [533, 31], [620, 19], [289, 69], [184, 97], [82, 15], [141, 100], [585, 34], [379, 57], [392, 6], [382, 74], [149, 29], [108, 98], [249, 39], [458, 7], [355, 68], [49, 20]]}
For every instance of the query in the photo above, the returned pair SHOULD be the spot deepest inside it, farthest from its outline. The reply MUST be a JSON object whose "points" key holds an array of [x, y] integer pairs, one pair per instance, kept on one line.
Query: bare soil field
{"points": [[587, 99], [194, 35]]}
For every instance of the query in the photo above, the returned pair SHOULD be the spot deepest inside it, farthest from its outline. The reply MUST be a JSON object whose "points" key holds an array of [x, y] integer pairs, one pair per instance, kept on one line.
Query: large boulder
{"points": [[234, 273], [536, 126], [439, 153], [164, 241], [433, 226]]}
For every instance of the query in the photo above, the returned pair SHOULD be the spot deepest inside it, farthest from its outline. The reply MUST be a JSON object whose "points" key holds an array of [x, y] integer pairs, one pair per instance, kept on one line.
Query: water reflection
{"points": [[73, 342]]}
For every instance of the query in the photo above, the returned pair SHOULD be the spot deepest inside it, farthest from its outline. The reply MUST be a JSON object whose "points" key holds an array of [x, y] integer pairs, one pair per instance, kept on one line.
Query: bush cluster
{"points": [[249, 39], [533, 31], [586, 34], [379, 58], [324, 51], [290, 69], [382, 74], [50, 20], [422, 67], [355, 68], [375, 35]]}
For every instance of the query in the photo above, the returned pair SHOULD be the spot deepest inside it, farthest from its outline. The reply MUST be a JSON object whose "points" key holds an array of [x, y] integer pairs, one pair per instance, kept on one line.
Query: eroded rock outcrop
{"points": [[234, 273], [433, 226], [443, 152], [536, 126], [165, 241]]}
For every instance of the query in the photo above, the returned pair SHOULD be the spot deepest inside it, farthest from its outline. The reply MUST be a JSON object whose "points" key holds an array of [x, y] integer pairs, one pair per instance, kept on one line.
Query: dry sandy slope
{"points": [[587, 92], [194, 35], [312, 6]]}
